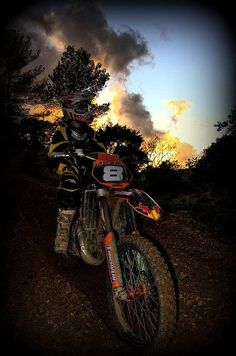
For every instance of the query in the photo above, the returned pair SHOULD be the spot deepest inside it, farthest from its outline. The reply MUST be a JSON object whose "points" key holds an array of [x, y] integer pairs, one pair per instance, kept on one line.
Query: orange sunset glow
{"points": [[165, 80], [44, 113], [167, 146]]}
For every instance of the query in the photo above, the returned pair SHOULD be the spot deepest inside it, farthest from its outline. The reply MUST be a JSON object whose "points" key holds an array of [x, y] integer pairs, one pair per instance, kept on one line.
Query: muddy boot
{"points": [[64, 220]]}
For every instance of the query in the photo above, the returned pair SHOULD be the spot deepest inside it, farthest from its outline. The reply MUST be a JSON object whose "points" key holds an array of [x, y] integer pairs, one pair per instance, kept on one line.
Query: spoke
{"points": [[131, 315], [138, 260], [149, 315], [124, 270], [143, 321], [138, 321], [152, 314], [125, 265], [132, 324], [151, 286], [129, 267], [141, 316], [128, 258], [141, 263], [134, 278], [154, 299], [140, 325], [139, 267], [133, 274]]}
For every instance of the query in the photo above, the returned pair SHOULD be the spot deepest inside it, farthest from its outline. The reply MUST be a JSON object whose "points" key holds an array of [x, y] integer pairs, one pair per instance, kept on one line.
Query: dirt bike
{"points": [[140, 288]]}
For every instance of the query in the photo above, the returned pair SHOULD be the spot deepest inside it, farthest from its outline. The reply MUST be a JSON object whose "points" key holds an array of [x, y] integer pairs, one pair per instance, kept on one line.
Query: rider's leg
{"points": [[67, 197]]}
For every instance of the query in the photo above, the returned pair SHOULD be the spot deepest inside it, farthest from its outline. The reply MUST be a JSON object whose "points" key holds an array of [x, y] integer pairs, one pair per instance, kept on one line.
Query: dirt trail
{"points": [[46, 310]]}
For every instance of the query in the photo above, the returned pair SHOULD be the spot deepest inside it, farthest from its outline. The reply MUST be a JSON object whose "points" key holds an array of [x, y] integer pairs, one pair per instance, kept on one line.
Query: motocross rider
{"points": [[73, 132]]}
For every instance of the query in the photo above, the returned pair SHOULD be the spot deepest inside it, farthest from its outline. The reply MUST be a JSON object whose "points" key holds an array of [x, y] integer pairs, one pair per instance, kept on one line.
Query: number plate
{"points": [[112, 174]]}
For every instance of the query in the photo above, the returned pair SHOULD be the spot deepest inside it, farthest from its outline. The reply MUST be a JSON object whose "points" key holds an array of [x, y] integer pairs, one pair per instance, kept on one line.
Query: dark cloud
{"points": [[83, 24], [48, 56], [133, 111]]}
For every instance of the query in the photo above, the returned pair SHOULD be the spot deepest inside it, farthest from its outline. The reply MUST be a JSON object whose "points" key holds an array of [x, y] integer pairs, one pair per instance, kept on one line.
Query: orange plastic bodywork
{"points": [[105, 157], [114, 159]]}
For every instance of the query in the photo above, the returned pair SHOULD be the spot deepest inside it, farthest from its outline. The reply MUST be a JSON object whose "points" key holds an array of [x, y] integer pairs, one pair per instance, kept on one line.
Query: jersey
{"points": [[83, 137]]}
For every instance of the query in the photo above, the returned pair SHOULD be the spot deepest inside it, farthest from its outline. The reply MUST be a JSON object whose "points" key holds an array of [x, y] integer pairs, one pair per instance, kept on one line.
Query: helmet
{"points": [[77, 107], [79, 130]]}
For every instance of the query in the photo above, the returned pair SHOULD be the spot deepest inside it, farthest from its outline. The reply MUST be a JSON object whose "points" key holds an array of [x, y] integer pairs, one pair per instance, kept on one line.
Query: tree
{"points": [[191, 163], [159, 150], [76, 71], [18, 85], [125, 142], [161, 180], [230, 124], [217, 166], [35, 134]]}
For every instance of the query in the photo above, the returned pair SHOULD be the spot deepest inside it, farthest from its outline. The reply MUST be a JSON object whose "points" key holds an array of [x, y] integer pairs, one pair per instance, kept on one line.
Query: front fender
{"points": [[140, 202]]}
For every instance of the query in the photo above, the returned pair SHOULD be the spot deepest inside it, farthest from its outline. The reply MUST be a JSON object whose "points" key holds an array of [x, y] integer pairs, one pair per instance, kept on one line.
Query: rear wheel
{"points": [[148, 319]]}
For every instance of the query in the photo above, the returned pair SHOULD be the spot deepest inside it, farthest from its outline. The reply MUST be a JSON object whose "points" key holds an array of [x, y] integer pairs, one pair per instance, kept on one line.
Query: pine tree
{"points": [[77, 71], [18, 84], [125, 142]]}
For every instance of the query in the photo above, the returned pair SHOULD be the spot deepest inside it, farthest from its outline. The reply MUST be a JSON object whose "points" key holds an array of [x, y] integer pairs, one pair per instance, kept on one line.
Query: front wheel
{"points": [[148, 319]]}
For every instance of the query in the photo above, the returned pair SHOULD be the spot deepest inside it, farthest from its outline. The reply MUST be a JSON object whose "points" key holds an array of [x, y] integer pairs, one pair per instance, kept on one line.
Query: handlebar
{"points": [[77, 153]]}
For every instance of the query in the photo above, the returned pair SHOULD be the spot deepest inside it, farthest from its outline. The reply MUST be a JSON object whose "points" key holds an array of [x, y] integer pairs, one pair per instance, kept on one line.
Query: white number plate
{"points": [[113, 173]]}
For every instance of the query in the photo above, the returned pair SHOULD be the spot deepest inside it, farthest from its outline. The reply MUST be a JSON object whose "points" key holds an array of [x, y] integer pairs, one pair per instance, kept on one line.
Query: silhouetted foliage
{"points": [[125, 142], [207, 187], [35, 134], [217, 167], [164, 179], [230, 124], [191, 163], [159, 150], [18, 85], [18, 82], [215, 174], [76, 71]]}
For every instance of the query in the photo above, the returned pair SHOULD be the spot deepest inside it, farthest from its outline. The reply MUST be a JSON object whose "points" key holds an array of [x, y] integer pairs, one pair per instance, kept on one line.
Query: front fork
{"points": [[110, 247]]}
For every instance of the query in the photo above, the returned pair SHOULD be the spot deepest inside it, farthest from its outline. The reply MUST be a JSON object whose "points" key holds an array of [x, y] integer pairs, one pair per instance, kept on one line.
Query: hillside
{"points": [[50, 311]]}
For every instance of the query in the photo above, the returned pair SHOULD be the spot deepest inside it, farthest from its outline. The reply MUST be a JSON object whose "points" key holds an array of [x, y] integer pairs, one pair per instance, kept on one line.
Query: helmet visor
{"points": [[82, 107]]}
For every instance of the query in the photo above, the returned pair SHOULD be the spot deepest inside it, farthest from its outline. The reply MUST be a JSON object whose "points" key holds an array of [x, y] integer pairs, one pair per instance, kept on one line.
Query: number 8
{"points": [[112, 173]]}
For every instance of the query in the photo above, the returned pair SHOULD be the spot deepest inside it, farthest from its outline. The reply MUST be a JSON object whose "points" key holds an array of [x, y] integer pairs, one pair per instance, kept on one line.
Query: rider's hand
{"points": [[70, 148]]}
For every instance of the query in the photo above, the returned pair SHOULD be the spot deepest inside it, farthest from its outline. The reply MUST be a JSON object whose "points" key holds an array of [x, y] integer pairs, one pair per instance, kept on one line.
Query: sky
{"points": [[192, 61], [171, 63]]}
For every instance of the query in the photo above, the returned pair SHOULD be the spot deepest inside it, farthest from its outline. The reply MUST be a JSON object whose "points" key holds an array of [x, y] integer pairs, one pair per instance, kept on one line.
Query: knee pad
{"points": [[66, 199]]}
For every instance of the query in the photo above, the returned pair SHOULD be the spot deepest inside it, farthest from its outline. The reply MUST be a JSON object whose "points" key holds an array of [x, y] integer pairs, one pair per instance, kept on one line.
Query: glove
{"points": [[70, 148]]}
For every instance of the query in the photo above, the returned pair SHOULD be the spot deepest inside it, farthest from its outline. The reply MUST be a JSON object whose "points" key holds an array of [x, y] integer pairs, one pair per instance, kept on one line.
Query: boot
{"points": [[64, 220]]}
